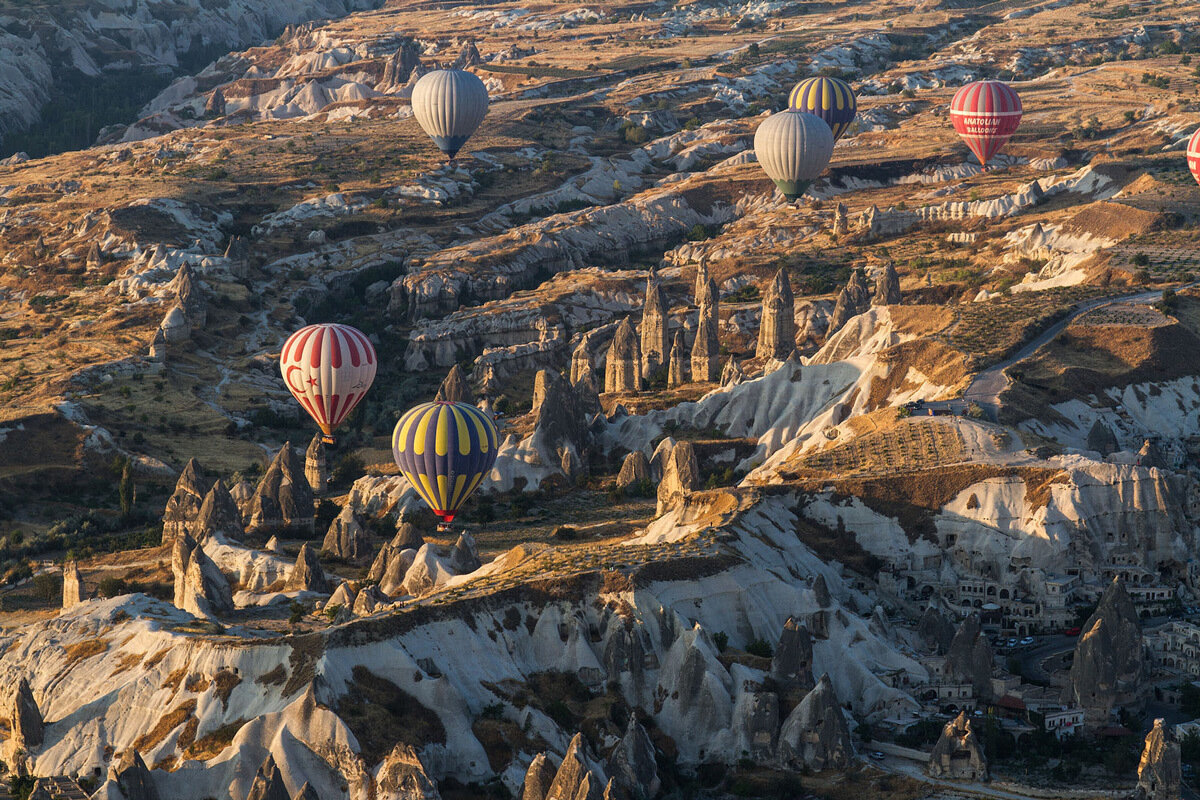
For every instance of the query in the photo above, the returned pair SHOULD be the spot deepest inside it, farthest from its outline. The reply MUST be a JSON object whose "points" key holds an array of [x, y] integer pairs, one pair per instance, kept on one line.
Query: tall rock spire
{"points": [[777, 329], [655, 344]]}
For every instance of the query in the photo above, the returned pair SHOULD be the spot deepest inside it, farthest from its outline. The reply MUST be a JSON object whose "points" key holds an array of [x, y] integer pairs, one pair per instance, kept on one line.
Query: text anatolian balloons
{"points": [[449, 104], [793, 147], [1193, 155], [985, 114], [445, 449], [830, 99], [328, 368]]}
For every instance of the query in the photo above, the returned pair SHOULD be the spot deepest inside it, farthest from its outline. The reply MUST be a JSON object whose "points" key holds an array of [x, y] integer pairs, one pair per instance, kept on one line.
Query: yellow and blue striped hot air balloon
{"points": [[445, 449], [830, 99]]}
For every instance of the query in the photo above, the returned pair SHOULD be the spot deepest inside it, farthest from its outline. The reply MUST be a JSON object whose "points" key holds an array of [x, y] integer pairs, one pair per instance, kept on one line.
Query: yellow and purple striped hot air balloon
{"points": [[445, 449], [830, 99]]}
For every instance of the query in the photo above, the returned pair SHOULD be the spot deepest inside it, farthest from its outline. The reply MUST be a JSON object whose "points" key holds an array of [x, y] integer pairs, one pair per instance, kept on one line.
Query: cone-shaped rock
{"points": [[184, 504], [887, 287], [634, 469], [681, 475], [315, 471], [218, 514], [284, 497], [1160, 774], [72, 585], [454, 388], [347, 538], [1108, 669], [268, 783], [654, 329], [815, 734], [777, 328], [677, 366], [307, 575], [791, 666], [623, 365], [1101, 439], [632, 763], [958, 753], [969, 657]]}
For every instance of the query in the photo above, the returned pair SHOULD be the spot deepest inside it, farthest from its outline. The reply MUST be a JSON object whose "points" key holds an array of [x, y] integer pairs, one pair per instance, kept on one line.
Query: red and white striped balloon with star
{"points": [[1193, 155], [328, 368], [985, 114]]}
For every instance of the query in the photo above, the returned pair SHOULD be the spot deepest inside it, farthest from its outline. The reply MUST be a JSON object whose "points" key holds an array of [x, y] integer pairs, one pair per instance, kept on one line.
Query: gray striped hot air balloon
{"points": [[793, 148], [449, 104]]}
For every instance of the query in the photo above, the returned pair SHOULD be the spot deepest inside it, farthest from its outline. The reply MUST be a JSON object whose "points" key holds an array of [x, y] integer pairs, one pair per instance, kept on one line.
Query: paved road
{"points": [[1033, 659], [987, 385], [909, 769]]}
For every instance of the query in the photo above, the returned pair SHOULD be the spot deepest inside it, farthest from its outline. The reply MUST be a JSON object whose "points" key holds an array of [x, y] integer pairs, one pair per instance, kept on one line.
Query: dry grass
{"points": [[167, 723], [85, 649], [213, 743]]}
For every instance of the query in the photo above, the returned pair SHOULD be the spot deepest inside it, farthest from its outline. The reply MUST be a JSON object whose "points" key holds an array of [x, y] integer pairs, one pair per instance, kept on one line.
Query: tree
{"points": [[126, 489]]}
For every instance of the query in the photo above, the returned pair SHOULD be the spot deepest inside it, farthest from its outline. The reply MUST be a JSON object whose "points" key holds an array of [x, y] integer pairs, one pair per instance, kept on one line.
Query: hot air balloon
{"points": [[445, 449], [449, 104], [830, 99], [985, 114], [328, 368], [793, 148], [1193, 155]]}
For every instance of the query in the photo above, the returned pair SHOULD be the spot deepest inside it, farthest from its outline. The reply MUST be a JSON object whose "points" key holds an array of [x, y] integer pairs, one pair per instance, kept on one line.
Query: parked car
{"points": [[1012, 643], [877, 756], [1026, 641], [1071, 632]]}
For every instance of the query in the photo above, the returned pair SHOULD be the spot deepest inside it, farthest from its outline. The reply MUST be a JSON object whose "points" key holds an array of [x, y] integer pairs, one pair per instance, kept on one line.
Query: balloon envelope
{"points": [[328, 368], [985, 114], [830, 99], [444, 449], [449, 104], [1193, 155], [793, 147]]}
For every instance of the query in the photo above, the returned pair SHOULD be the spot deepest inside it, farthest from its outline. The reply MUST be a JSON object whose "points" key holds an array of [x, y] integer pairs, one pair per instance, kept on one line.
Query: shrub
{"points": [[761, 648], [721, 640], [113, 587]]}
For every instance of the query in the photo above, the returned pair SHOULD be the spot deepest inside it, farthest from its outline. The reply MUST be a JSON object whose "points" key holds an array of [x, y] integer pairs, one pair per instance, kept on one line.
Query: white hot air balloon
{"points": [[449, 104], [328, 369], [793, 148]]}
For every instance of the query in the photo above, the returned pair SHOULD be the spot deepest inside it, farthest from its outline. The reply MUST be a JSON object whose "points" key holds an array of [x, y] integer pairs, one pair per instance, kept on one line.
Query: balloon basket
{"points": [[328, 439]]}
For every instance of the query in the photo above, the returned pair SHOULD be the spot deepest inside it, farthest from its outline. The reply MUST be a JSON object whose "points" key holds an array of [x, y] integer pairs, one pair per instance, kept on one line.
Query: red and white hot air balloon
{"points": [[985, 114], [1193, 155], [328, 368]]}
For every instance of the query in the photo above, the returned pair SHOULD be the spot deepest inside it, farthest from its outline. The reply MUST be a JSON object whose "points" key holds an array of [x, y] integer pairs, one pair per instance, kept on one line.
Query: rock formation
{"points": [[654, 343], [464, 558], [887, 287], [368, 601], [632, 765], [158, 347], [268, 782], [706, 349], [538, 778], [815, 734], [399, 66], [634, 469], [841, 225], [853, 300], [283, 498], [1101, 439], [969, 657], [581, 364], [315, 471], [455, 388], [344, 596], [623, 365], [347, 538], [681, 475], [184, 504], [1151, 456], [175, 327], [307, 575], [407, 538], [215, 105], [467, 57], [700, 286], [677, 363], [777, 328], [396, 570], [732, 375], [273, 545], [958, 754], [935, 628], [189, 297], [1160, 774], [306, 792], [791, 666], [72, 585], [25, 725], [402, 775], [200, 587], [1107, 672], [574, 778], [560, 432], [218, 514], [129, 779]]}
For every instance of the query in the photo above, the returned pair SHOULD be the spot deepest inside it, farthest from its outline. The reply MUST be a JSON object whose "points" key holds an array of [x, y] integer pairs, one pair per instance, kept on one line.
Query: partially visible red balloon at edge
{"points": [[985, 114], [1193, 155]]}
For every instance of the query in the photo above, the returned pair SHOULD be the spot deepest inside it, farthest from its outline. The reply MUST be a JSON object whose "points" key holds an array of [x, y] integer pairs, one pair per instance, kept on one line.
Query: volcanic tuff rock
{"points": [[700, 285], [560, 424], [454, 388], [315, 471], [268, 782], [175, 326], [346, 538], [538, 778], [706, 350], [622, 365], [72, 585], [307, 575], [464, 558], [283, 498], [854, 299], [129, 779], [677, 364], [815, 734], [218, 514], [428, 570], [306, 792], [396, 570], [777, 328], [935, 628], [1101, 439], [574, 778], [1109, 663], [1151, 455], [1160, 775], [632, 764], [368, 601], [681, 475], [654, 328], [887, 287], [344, 596], [958, 753], [200, 587], [791, 666], [581, 363], [732, 375], [634, 469], [969, 657], [402, 776], [756, 724], [184, 504], [20, 711]]}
